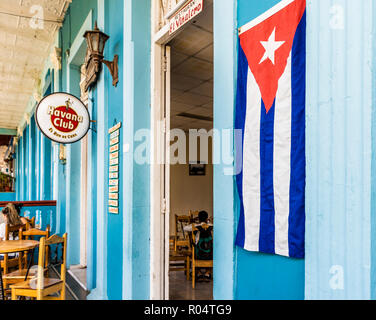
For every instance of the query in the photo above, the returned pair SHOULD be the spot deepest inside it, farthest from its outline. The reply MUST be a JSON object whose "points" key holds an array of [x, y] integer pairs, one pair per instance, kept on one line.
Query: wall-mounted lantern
{"points": [[96, 41]]}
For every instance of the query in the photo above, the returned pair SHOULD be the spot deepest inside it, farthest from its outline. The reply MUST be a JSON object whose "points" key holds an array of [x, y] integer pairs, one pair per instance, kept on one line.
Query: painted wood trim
{"points": [[47, 203]]}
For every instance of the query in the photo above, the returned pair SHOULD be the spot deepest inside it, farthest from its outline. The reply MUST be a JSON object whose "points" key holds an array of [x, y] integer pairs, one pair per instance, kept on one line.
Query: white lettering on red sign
{"points": [[62, 118], [187, 13]]}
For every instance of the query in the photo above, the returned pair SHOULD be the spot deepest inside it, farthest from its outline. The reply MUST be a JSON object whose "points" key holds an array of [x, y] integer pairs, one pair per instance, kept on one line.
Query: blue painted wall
{"points": [[32, 183], [340, 236], [7, 196], [114, 99], [34, 153], [136, 177], [69, 175], [223, 193]]}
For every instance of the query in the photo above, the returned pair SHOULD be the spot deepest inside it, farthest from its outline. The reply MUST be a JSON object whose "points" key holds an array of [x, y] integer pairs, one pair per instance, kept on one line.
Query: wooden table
{"points": [[13, 246]]}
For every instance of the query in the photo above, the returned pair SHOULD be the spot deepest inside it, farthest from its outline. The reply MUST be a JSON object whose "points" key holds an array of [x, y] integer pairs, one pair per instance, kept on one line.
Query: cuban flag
{"points": [[270, 111]]}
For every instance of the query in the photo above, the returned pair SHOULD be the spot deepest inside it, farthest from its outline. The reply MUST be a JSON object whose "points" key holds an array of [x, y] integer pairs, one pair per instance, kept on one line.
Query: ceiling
{"points": [[192, 73], [24, 50]]}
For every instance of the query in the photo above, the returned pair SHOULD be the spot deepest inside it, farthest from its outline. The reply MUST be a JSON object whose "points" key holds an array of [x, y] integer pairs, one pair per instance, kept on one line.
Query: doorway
{"points": [[188, 171]]}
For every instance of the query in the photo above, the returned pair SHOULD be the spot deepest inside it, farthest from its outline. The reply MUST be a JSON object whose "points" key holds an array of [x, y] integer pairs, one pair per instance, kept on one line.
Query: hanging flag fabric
{"points": [[270, 111]]}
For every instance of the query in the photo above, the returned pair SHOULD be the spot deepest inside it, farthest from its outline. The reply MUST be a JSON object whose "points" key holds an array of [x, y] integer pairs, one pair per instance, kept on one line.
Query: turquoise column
{"points": [[38, 165], [91, 201], [73, 185], [340, 236], [29, 173], [223, 193], [17, 170], [42, 166], [101, 162], [114, 108], [136, 177], [27, 163], [32, 160], [24, 168], [61, 182], [47, 169]]}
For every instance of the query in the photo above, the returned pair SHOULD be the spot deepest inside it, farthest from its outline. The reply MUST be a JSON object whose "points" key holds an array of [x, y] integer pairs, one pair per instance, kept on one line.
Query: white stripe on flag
{"points": [[281, 161], [251, 165]]}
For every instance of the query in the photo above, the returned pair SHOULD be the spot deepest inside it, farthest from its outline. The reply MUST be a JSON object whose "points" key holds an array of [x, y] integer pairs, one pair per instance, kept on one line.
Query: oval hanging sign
{"points": [[62, 117]]}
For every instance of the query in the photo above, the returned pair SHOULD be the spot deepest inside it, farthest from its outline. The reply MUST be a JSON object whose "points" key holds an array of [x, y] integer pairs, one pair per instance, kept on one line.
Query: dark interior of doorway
{"points": [[191, 108]]}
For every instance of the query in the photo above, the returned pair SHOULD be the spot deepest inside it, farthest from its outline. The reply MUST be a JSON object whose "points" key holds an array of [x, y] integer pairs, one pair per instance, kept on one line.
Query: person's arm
{"points": [[24, 220], [188, 228]]}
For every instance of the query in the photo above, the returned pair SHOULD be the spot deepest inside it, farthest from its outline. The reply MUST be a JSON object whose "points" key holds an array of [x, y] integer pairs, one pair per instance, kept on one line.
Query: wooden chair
{"points": [[180, 261], [41, 286], [20, 274], [198, 263], [8, 263], [181, 238], [30, 223], [179, 247], [30, 234]]}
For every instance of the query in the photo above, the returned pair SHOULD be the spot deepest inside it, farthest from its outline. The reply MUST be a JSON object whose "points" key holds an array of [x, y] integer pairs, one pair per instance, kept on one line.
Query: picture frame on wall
{"points": [[197, 169]]}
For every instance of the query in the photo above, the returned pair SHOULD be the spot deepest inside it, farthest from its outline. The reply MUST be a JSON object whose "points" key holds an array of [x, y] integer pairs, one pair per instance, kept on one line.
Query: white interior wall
{"points": [[190, 192]]}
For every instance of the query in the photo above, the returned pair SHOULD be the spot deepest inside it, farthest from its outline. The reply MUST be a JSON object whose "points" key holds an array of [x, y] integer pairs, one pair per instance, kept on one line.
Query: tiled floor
{"points": [[181, 288]]}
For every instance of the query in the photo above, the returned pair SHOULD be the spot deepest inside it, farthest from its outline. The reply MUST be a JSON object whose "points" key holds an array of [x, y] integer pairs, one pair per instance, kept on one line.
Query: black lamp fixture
{"points": [[96, 41]]}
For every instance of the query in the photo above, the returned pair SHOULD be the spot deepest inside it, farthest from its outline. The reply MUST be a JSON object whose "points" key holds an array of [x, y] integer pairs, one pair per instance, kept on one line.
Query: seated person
{"points": [[203, 242], [10, 216]]}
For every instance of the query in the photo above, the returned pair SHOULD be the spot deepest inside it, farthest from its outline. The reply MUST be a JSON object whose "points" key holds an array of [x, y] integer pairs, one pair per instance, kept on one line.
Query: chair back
{"points": [[14, 230], [180, 221], [46, 243], [33, 232], [30, 223]]}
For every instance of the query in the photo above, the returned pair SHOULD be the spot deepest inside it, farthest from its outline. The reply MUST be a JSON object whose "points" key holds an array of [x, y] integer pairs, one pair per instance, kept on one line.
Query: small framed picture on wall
{"points": [[197, 169]]}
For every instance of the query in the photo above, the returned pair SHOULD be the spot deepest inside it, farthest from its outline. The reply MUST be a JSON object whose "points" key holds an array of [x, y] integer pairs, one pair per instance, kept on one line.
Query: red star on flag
{"points": [[267, 46]]}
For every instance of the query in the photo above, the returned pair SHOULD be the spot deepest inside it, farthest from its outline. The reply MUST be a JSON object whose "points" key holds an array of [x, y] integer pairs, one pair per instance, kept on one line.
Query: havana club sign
{"points": [[62, 118]]}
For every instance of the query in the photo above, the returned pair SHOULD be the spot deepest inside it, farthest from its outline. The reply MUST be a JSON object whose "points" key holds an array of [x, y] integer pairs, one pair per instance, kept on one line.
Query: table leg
{"points": [[29, 265]]}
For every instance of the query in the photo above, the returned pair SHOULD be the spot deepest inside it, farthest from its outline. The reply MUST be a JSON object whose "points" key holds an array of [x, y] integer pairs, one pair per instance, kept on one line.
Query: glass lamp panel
{"points": [[88, 41], [101, 45], [95, 41]]}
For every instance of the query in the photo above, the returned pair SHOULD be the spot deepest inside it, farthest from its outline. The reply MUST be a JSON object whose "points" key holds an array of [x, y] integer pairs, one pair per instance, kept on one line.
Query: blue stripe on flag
{"points": [[298, 160], [267, 212], [241, 108]]}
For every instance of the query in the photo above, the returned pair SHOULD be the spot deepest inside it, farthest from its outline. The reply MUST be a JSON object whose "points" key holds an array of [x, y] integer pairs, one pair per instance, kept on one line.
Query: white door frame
{"points": [[158, 221]]}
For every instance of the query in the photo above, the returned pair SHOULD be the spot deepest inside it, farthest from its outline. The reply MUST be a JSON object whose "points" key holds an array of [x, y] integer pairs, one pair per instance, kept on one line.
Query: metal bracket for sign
{"points": [[94, 128]]}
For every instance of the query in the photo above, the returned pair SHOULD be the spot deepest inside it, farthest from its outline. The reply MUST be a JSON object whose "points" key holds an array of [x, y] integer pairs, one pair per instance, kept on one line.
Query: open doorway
{"points": [[190, 170]]}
